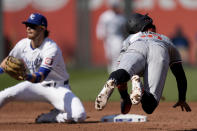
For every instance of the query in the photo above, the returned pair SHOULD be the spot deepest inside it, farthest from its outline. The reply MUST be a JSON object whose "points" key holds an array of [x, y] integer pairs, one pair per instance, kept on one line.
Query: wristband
{"points": [[29, 77], [1, 70], [38, 77]]}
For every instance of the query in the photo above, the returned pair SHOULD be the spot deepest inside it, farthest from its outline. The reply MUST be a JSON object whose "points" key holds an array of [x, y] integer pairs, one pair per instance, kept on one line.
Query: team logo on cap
{"points": [[32, 16]]}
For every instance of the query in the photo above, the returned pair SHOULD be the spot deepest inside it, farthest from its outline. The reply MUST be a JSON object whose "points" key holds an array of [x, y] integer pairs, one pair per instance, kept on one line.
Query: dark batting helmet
{"points": [[137, 22]]}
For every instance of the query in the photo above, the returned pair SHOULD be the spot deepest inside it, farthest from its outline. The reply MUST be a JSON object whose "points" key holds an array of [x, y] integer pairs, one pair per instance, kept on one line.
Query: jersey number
{"points": [[152, 36]]}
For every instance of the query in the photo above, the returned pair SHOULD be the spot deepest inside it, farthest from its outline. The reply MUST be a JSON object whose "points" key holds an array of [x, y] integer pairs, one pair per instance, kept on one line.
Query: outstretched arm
{"points": [[177, 70]]}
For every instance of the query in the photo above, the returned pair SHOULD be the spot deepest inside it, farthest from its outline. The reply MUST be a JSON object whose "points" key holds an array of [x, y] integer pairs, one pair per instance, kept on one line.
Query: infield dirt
{"points": [[20, 116]]}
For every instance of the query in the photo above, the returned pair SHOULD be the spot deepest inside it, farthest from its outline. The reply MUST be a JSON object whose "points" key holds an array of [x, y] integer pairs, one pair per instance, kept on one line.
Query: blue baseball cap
{"points": [[36, 19]]}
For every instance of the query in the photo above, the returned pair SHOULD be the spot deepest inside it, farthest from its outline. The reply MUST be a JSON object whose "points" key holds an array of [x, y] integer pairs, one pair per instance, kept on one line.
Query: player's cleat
{"points": [[137, 90], [48, 117], [126, 105], [101, 99]]}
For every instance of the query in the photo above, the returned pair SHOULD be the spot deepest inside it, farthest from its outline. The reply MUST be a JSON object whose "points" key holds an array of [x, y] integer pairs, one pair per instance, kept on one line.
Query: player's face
{"points": [[33, 31]]}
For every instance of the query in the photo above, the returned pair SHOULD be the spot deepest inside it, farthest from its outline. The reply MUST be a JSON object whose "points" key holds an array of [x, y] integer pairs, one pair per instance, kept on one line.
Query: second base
{"points": [[124, 118]]}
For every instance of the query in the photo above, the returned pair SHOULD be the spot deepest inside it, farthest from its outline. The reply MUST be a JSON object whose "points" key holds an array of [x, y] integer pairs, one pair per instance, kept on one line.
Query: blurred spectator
{"points": [[182, 43], [110, 29]]}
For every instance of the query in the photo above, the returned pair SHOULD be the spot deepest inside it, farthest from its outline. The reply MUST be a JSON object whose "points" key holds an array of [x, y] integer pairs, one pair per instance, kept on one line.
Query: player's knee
{"points": [[79, 117], [120, 75], [149, 109], [149, 103]]}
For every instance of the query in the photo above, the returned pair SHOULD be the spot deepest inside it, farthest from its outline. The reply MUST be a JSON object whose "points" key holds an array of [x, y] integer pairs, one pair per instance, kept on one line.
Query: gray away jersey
{"points": [[156, 38]]}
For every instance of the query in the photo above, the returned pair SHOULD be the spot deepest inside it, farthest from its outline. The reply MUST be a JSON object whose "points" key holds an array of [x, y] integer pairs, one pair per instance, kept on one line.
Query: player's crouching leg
{"points": [[63, 117], [55, 116], [80, 117]]}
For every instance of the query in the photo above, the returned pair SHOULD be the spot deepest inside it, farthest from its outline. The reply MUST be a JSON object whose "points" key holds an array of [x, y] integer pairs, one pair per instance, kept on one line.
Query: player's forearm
{"points": [[182, 88], [35, 77], [38, 76], [179, 73]]}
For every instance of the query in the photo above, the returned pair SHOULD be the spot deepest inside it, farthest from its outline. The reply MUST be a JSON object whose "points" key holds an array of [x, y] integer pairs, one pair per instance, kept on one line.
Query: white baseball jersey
{"points": [[55, 89], [48, 55], [110, 29], [110, 25], [148, 54]]}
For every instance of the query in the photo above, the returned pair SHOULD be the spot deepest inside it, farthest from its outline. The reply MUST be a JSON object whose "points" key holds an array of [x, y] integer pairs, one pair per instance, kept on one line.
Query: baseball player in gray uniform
{"points": [[144, 54], [47, 80]]}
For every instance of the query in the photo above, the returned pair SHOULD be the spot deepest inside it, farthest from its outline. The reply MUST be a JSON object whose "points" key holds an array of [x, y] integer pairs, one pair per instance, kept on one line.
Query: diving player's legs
{"points": [[154, 78], [130, 64], [134, 63]]}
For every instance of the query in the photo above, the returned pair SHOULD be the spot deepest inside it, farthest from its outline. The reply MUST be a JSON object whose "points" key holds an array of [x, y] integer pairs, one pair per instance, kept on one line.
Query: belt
{"points": [[55, 83]]}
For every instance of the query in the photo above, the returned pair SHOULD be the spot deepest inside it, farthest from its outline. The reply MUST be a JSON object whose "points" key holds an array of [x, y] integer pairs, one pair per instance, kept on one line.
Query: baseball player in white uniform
{"points": [[110, 29], [48, 80], [147, 54]]}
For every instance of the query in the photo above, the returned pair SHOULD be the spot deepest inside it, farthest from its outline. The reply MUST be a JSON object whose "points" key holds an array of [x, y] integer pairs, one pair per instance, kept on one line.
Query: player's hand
{"points": [[183, 105], [3, 63]]}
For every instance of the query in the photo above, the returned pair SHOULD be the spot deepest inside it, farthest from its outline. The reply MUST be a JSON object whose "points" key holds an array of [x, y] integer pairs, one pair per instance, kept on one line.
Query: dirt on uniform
{"points": [[20, 116]]}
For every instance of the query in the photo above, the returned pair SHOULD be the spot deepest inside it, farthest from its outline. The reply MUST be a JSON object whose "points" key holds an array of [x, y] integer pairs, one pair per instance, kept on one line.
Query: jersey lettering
{"points": [[152, 36]]}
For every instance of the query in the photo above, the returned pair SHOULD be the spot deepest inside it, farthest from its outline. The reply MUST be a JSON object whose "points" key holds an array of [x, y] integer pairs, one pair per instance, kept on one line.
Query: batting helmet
{"points": [[137, 22]]}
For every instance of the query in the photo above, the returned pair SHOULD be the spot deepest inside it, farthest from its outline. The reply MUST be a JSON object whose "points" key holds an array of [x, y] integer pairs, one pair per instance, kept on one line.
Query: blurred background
{"points": [[72, 24]]}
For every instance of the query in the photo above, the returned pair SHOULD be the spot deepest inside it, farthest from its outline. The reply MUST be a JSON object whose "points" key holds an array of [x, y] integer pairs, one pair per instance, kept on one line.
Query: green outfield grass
{"points": [[86, 84]]}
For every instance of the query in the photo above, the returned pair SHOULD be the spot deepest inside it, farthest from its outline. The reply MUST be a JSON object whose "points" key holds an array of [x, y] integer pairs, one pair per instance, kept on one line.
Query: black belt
{"points": [[55, 83], [66, 82]]}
